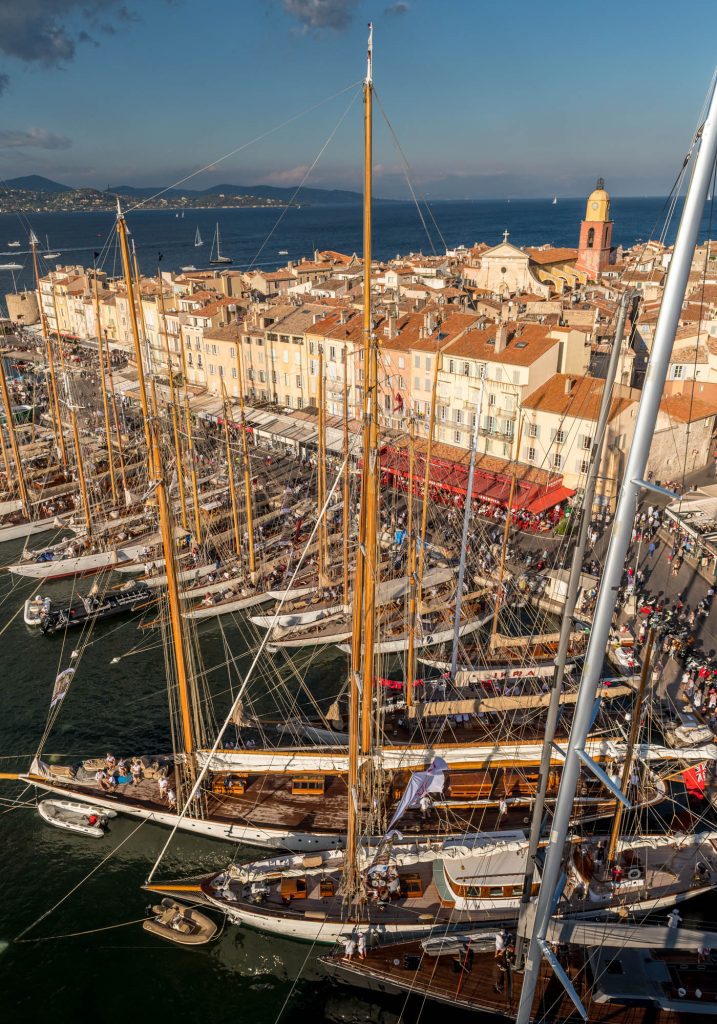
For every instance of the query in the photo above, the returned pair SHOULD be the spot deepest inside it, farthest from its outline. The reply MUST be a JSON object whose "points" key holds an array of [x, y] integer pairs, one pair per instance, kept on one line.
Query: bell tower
{"points": [[595, 233]]}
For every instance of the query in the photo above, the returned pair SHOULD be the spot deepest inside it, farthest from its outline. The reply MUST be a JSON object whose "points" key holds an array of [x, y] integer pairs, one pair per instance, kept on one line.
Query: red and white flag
{"points": [[695, 779]]}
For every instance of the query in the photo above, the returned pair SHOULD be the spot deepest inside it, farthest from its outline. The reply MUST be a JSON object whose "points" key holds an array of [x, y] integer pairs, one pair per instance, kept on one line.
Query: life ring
{"points": [[633, 874]]}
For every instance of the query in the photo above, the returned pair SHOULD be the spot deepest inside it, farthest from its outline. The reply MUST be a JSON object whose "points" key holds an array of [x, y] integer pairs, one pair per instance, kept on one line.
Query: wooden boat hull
{"points": [[212, 611], [16, 531], [82, 565]]}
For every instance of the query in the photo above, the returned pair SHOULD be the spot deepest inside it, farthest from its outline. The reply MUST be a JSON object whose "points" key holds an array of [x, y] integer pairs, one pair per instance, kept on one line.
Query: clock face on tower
{"points": [[594, 206]]}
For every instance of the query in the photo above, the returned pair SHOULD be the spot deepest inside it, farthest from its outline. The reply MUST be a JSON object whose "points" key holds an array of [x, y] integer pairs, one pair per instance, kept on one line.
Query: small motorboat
{"points": [[188, 269], [35, 609], [85, 818], [283, 252], [13, 245], [176, 923]]}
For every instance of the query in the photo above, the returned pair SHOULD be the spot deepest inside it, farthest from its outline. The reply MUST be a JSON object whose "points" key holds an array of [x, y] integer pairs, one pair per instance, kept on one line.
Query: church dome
{"points": [[598, 206]]}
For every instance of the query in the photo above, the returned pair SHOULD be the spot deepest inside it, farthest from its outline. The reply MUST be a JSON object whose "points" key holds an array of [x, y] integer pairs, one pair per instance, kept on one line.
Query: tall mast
{"points": [[54, 403], [632, 485], [371, 441], [630, 748], [355, 683], [230, 470], [115, 415], [464, 538], [427, 473], [124, 249], [13, 443], [81, 471], [246, 465], [173, 402], [347, 489], [506, 531], [190, 443], [411, 563], [568, 619], [321, 472], [105, 405]]}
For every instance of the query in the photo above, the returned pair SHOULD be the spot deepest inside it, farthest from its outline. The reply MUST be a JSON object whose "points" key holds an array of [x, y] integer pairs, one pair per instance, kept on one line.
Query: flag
{"points": [[398, 402], [62, 685], [695, 779]]}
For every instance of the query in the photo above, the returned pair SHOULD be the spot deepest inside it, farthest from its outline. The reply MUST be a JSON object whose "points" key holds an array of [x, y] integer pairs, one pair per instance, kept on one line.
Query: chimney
{"points": [[343, 316], [569, 385], [501, 338], [391, 327]]}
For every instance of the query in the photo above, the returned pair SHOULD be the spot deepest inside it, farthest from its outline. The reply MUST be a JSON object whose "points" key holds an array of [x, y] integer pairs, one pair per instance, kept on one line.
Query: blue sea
{"points": [[256, 237]]}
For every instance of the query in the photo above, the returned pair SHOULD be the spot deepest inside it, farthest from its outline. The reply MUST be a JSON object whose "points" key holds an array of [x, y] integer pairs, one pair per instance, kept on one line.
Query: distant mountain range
{"points": [[313, 196], [36, 183]]}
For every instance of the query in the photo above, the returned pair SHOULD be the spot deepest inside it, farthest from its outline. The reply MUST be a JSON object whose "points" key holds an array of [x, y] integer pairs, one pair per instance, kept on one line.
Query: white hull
{"points": [[293, 594], [212, 611], [83, 565], [296, 618], [17, 531], [429, 640]]}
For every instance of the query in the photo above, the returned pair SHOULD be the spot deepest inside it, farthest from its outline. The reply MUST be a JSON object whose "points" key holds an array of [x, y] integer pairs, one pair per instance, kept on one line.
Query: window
{"points": [[490, 424], [299, 402], [428, 362], [559, 437], [531, 454], [451, 366], [271, 337], [332, 352], [677, 372], [557, 460], [312, 368], [234, 372], [232, 352], [426, 385], [297, 358], [491, 399], [221, 370], [214, 350], [584, 465], [284, 337], [442, 411], [466, 369], [458, 416], [402, 383], [299, 381], [457, 436], [532, 430], [401, 363], [416, 384], [311, 348], [587, 442], [591, 238], [387, 403], [285, 356], [274, 377], [417, 362], [286, 380]]}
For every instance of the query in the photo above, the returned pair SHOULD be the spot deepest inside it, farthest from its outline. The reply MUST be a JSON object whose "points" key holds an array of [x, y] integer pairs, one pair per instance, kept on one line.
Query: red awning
{"points": [[550, 498]]}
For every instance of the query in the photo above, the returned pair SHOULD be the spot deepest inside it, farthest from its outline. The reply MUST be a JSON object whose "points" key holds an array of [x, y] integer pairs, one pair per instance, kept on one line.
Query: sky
{"points": [[475, 98]]}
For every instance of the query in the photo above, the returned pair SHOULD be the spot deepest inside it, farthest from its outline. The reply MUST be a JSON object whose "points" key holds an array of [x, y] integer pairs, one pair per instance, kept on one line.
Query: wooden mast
{"points": [[165, 522], [321, 473], [631, 741], [105, 405], [347, 490], [508, 518], [126, 265], [426, 482], [54, 403], [81, 471], [190, 443], [411, 564], [115, 417], [230, 469], [13, 444], [246, 467], [370, 468], [173, 402], [351, 874]]}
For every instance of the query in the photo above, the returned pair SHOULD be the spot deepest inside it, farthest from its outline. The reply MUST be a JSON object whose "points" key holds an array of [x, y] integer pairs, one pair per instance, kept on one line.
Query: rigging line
{"points": [[306, 175], [244, 145], [406, 172], [80, 883], [242, 688], [89, 931]]}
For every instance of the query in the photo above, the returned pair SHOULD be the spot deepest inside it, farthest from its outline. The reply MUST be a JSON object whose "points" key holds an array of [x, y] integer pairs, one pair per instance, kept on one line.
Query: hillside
{"points": [[36, 183]]}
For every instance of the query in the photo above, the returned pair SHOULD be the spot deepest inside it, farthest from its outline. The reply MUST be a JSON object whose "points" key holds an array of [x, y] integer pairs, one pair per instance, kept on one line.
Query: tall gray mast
{"points": [[464, 538], [568, 620], [633, 484]]}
